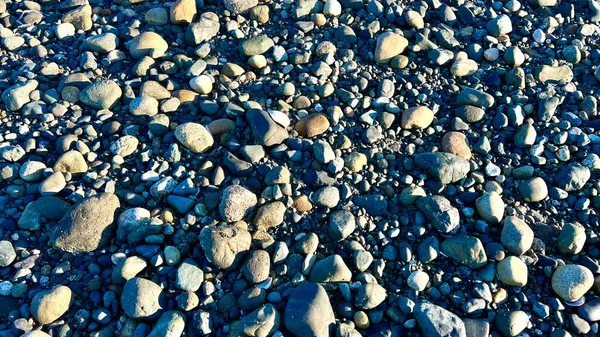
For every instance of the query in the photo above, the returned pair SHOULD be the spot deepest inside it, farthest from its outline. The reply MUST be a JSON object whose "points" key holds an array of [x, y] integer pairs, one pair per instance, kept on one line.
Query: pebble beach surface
{"points": [[302, 168]]}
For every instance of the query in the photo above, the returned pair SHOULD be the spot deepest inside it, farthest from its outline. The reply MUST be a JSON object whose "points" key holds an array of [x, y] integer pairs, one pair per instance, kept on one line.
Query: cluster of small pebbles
{"points": [[299, 168]]}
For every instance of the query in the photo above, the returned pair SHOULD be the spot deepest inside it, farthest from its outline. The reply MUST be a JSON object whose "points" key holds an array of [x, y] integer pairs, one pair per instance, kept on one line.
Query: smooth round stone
{"points": [[201, 84], [124, 146], [571, 239], [464, 67], [516, 235], [418, 117], [141, 298], [512, 323], [490, 207], [572, 281], [418, 280], [49, 305], [512, 271], [195, 137], [7, 253], [533, 190], [156, 16], [257, 61], [257, 267], [332, 8], [513, 56], [456, 143], [370, 295], [148, 44], [389, 45], [53, 184], [312, 125], [143, 106]]}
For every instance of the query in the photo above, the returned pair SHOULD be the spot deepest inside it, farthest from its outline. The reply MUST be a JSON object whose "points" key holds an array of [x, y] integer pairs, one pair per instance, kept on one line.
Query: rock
{"points": [[36, 333], [236, 203], [355, 161], [189, 276], [328, 196], [512, 271], [544, 3], [17, 96], [143, 106], [500, 25], [87, 226], [32, 170], [156, 17], [445, 167], [476, 98], [572, 281], [437, 321], [124, 146], [476, 327], [490, 207], [224, 244], [71, 162], [389, 45], [265, 130], [312, 125], [308, 312], [7, 253], [440, 213], [262, 322], [102, 43], [330, 269], [170, 324], [370, 295], [195, 137], [201, 84], [80, 17], [205, 29], [590, 311], [182, 12], [418, 280], [469, 114], [332, 8], [49, 305], [571, 238], [560, 74], [51, 208], [466, 250], [148, 44], [516, 236], [64, 31], [142, 299], [513, 56], [270, 215], [341, 224], [239, 6], [512, 323], [256, 45], [374, 204], [418, 117], [463, 67], [102, 94], [572, 177], [533, 190], [257, 266], [260, 14], [128, 269], [456, 143]]}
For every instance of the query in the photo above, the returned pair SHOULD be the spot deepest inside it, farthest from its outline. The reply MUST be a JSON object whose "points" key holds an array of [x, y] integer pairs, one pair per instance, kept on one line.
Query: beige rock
{"points": [[456, 143], [418, 117], [148, 44], [80, 17], [572, 281], [183, 11], [194, 137], [49, 305], [72, 162], [312, 125], [512, 271], [389, 45]]}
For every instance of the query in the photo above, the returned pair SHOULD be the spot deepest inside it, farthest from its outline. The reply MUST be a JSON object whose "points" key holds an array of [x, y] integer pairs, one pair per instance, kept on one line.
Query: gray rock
{"points": [[102, 94], [205, 29], [330, 269], [147, 44], [87, 226], [195, 137], [571, 238], [101, 43], [547, 108], [328, 196], [490, 207], [224, 244], [239, 6], [440, 213], [262, 322], [512, 323], [256, 45], [476, 327], [516, 236], [51, 208], [72, 162], [572, 177], [308, 312], [128, 269], [18, 95], [265, 130], [7, 253], [142, 299], [170, 324], [437, 321], [590, 311], [374, 204], [572, 281], [475, 97], [236, 203], [370, 295], [500, 25], [257, 266], [559, 74], [341, 224], [466, 250], [53, 184], [533, 190], [270, 215], [512, 271], [189, 276], [49, 305], [445, 167]]}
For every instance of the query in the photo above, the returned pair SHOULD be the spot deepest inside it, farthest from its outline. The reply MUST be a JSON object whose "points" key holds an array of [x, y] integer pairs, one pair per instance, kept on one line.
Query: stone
{"points": [[147, 44], [389, 45], [470, 114], [257, 266], [341, 224], [189, 276], [500, 25], [561, 74], [64, 31], [71, 162], [328, 196], [224, 244], [330, 269], [437, 321], [270, 215], [418, 280], [80, 17], [512, 323], [127, 269], [236, 203], [513, 56], [7, 253], [590, 311], [370, 295], [456, 143], [87, 226], [355, 161], [256, 45], [572, 281], [101, 43], [170, 324], [447, 168], [143, 106], [239, 6], [418, 117], [463, 67], [51, 208], [264, 129], [572, 177], [182, 12], [490, 207], [466, 250], [474, 97], [571, 239], [32, 170], [49, 305], [512, 271], [312, 125], [195, 137], [260, 14], [124, 146], [516, 236], [17, 96], [156, 16], [332, 8], [103, 94], [308, 311], [440, 213], [262, 322], [142, 298], [201, 84], [533, 190], [205, 29]]}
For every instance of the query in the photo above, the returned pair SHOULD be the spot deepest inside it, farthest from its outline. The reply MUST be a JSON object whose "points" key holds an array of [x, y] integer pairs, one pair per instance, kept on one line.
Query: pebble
{"points": [[419, 117], [148, 44], [437, 321], [102, 94], [572, 281], [512, 323], [142, 298], [533, 190], [7, 253], [512, 271], [516, 235], [49, 305], [194, 137], [308, 311], [490, 207], [389, 45], [223, 245], [571, 239]]}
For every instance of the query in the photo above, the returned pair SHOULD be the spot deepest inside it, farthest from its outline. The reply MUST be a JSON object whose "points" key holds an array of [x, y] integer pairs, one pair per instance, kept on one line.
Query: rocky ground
{"points": [[299, 168]]}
